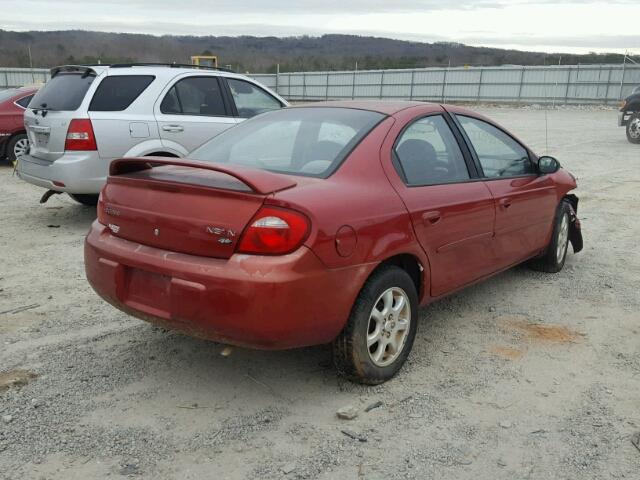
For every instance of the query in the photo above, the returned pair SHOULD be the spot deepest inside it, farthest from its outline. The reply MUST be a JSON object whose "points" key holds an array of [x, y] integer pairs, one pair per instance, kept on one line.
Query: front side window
{"points": [[64, 92], [195, 96], [24, 101], [251, 100], [305, 141], [428, 153], [498, 153], [116, 93]]}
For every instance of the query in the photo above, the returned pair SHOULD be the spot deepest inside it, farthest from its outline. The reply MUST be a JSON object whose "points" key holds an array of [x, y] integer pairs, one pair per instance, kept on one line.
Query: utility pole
{"points": [[33, 79]]}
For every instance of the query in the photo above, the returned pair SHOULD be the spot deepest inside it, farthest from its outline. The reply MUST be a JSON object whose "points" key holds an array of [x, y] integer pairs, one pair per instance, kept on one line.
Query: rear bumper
{"points": [[80, 172], [623, 118], [263, 302]]}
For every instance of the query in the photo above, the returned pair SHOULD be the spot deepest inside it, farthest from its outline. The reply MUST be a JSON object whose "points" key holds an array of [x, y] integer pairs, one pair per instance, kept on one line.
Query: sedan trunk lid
{"points": [[183, 206]]}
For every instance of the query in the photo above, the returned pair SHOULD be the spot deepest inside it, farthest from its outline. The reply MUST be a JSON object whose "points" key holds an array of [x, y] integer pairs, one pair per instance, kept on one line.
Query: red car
{"points": [[327, 223], [13, 138]]}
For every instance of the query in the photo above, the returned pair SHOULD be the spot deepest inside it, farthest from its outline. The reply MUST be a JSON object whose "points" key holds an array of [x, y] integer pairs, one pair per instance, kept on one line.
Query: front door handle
{"points": [[173, 128], [432, 217], [505, 202]]}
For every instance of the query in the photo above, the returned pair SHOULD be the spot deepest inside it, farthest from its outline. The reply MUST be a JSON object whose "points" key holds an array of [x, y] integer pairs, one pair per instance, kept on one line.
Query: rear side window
{"points": [[251, 100], [24, 101], [116, 93], [64, 92], [428, 153], [195, 96]]}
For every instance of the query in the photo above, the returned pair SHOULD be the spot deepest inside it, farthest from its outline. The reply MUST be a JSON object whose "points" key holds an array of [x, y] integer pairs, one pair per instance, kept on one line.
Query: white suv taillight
{"points": [[80, 135]]}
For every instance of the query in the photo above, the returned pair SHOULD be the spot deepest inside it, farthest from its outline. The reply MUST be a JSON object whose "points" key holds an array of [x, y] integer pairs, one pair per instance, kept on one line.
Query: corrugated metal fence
{"points": [[18, 77], [600, 84], [515, 84]]}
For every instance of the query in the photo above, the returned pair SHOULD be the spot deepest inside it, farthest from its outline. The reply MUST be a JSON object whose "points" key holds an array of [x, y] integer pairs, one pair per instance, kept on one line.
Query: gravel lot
{"points": [[526, 375]]}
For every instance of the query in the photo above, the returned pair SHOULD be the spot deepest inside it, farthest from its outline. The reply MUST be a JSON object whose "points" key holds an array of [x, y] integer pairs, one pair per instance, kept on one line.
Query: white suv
{"points": [[86, 116]]}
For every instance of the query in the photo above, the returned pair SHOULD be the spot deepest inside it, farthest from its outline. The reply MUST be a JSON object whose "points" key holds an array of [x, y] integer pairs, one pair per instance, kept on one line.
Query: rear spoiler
{"points": [[260, 181], [85, 69]]}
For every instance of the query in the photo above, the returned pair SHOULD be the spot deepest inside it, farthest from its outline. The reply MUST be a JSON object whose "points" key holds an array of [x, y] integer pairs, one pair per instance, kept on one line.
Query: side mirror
{"points": [[548, 164]]}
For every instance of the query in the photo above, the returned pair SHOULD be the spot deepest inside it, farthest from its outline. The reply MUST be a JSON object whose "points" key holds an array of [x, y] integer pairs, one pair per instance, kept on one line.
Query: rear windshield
{"points": [[116, 93], [7, 94], [63, 92], [309, 141]]}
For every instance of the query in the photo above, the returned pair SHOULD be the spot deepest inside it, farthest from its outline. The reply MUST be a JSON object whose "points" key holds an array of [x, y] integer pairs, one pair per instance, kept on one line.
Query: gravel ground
{"points": [[526, 375]]}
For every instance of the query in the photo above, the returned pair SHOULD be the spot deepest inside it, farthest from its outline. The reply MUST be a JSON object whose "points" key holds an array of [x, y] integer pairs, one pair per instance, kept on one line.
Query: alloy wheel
{"points": [[563, 238], [388, 327], [21, 147], [634, 128]]}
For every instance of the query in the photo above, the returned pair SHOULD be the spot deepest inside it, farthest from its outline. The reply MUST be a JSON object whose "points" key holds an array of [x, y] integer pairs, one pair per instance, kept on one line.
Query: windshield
{"points": [[310, 141], [63, 92], [7, 94]]}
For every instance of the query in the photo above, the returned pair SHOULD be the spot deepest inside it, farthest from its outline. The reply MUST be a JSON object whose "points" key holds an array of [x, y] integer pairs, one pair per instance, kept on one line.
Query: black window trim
{"points": [[15, 102], [93, 95], [233, 102], [476, 159], [223, 94], [474, 175]]}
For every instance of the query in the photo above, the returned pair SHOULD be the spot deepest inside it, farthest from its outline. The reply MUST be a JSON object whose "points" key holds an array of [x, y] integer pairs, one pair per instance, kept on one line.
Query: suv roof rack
{"points": [[171, 65]]}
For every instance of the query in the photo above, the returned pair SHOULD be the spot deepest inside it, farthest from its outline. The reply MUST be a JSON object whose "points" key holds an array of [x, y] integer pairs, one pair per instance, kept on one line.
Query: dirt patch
{"points": [[506, 352], [546, 333], [15, 378]]}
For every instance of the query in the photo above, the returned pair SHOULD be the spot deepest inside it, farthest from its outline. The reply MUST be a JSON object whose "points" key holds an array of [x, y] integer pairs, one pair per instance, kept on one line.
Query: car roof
{"points": [[388, 107], [166, 70]]}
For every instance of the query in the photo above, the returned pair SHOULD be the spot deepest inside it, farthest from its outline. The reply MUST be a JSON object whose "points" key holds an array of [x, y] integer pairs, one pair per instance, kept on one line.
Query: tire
{"points": [[87, 199], [351, 355], [18, 145], [633, 128], [553, 259]]}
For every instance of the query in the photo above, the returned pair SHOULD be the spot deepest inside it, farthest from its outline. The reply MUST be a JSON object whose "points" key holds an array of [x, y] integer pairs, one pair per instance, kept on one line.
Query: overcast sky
{"points": [[544, 25]]}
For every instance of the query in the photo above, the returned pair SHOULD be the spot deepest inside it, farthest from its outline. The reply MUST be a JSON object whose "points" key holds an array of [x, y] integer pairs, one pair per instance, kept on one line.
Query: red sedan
{"points": [[13, 138], [327, 223]]}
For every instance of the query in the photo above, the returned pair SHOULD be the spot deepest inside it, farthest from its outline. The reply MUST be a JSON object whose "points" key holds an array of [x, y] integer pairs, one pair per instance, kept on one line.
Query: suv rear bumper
{"points": [[623, 118], [79, 172], [266, 302]]}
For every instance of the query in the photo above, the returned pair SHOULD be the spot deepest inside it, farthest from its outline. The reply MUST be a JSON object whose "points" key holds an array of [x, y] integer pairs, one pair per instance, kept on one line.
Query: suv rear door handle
{"points": [[173, 128], [432, 217]]}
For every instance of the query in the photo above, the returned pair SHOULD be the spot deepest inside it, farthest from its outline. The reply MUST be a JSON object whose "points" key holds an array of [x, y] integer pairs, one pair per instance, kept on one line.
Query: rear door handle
{"points": [[505, 202], [173, 128], [432, 217]]}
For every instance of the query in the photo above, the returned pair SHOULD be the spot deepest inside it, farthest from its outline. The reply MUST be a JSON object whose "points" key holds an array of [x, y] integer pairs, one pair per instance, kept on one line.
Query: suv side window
{"points": [[117, 92], [24, 101], [251, 100], [195, 96], [498, 153], [428, 153]]}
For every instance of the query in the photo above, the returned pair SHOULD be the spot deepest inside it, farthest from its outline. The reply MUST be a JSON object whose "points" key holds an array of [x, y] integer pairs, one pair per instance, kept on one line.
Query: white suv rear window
{"points": [[116, 93]]}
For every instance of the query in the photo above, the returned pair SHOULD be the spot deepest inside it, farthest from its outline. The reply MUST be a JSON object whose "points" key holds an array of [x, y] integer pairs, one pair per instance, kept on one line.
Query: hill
{"points": [[261, 54]]}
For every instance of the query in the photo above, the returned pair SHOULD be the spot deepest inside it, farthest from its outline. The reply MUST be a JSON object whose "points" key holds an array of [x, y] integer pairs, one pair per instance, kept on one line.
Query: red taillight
{"points": [[80, 135], [274, 231]]}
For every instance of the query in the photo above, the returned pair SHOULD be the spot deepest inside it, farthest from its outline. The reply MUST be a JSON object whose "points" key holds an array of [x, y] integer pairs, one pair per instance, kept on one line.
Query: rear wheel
{"points": [[18, 146], [381, 328], [85, 198], [633, 128], [553, 259]]}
